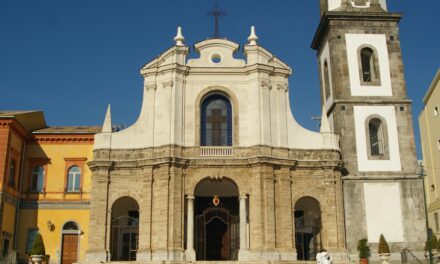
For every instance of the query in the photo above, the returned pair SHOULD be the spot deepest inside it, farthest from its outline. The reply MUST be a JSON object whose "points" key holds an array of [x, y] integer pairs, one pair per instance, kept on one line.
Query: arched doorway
{"points": [[307, 228], [70, 243], [124, 229], [216, 220]]}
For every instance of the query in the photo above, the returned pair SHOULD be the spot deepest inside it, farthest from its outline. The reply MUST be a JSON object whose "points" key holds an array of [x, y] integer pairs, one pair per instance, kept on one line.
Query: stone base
{"points": [[144, 255], [96, 256], [253, 255], [167, 255], [288, 256], [190, 255]]}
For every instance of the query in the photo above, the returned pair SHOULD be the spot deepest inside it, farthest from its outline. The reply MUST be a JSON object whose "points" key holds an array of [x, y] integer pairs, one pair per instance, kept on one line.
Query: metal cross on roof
{"points": [[216, 12]]}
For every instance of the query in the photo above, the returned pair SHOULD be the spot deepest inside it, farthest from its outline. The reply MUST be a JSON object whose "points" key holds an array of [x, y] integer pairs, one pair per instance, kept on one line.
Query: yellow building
{"points": [[48, 165], [429, 121]]}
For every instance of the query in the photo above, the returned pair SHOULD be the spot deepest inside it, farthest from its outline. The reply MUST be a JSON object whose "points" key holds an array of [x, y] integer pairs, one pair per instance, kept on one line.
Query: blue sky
{"points": [[71, 58]]}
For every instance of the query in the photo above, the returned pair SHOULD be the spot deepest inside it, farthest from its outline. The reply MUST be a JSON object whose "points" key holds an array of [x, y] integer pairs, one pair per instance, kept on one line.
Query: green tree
{"points": [[38, 246], [383, 245], [433, 243], [363, 248]]}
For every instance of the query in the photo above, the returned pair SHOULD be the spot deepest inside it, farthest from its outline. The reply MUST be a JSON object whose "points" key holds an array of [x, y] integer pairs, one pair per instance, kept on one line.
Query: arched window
{"points": [[326, 80], [376, 130], [216, 121], [37, 180], [369, 67], [12, 168], [74, 179]]}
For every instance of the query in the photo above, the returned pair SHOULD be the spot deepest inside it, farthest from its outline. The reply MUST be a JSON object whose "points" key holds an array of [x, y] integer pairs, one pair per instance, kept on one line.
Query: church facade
{"points": [[216, 168]]}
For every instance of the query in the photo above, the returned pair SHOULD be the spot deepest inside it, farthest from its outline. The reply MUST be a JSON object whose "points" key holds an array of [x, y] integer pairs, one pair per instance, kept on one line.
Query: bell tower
{"points": [[364, 95]]}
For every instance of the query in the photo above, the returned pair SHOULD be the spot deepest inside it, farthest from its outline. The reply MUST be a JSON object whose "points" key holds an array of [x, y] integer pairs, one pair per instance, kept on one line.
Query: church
{"points": [[217, 169]]}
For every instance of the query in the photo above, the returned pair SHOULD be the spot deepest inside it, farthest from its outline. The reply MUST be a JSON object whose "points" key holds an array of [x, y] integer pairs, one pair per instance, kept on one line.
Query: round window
{"points": [[216, 58]]}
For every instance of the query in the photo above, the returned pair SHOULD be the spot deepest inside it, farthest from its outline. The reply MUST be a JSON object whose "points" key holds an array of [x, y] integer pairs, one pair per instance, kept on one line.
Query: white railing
{"points": [[216, 151]]}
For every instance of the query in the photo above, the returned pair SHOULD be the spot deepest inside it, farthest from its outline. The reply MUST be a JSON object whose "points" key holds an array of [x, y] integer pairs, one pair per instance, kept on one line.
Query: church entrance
{"points": [[307, 228], [216, 220]]}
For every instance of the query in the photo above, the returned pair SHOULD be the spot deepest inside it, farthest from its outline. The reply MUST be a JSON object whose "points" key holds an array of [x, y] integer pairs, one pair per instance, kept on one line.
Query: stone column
{"points": [[243, 233], [190, 252]]}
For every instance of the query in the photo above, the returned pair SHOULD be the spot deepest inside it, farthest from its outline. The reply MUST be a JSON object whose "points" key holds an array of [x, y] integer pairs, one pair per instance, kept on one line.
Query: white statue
{"points": [[323, 257]]}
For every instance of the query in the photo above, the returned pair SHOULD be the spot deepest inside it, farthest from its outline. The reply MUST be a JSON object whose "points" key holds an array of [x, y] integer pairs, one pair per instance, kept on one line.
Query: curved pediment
{"points": [[216, 53]]}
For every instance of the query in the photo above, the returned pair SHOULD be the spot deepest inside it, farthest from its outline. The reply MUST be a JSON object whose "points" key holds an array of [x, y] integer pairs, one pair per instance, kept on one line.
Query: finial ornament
{"points": [[252, 37], [179, 37], [107, 126]]}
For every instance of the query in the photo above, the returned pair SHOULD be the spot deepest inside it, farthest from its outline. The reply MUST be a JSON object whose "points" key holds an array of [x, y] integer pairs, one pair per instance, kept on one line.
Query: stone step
{"points": [[214, 262]]}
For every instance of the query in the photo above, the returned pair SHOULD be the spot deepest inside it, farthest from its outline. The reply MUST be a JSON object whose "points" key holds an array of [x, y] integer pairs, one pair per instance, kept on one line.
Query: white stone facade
{"points": [[174, 88]]}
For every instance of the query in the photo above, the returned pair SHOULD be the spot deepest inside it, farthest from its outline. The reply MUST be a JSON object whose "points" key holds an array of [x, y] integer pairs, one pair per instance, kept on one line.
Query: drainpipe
{"points": [[17, 211]]}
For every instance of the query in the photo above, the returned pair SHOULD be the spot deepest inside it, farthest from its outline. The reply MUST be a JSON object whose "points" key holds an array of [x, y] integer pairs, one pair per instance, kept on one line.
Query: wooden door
{"points": [[70, 248]]}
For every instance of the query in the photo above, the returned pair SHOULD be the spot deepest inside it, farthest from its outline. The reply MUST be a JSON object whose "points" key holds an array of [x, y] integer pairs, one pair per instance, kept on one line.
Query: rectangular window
{"points": [[12, 169], [438, 144], [30, 239], [436, 221]]}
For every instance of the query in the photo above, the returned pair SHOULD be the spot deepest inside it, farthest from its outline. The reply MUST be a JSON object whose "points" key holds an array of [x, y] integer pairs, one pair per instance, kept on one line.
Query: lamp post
{"points": [[428, 230]]}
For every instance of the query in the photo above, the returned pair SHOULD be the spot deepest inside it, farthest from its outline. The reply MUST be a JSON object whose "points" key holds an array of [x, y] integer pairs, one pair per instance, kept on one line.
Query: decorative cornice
{"points": [[62, 139], [75, 159], [6, 122], [350, 16], [14, 125]]}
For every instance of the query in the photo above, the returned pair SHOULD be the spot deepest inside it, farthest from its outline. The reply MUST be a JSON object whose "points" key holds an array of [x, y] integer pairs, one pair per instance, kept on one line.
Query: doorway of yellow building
{"points": [[70, 245]]}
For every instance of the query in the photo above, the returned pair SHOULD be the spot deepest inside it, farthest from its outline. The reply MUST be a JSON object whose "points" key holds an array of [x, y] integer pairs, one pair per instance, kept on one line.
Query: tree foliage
{"points": [[38, 246], [363, 248], [433, 243], [383, 245]]}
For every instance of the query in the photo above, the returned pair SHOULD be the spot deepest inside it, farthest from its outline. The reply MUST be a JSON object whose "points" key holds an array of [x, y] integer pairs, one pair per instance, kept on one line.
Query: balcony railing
{"points": [[216, 151]]}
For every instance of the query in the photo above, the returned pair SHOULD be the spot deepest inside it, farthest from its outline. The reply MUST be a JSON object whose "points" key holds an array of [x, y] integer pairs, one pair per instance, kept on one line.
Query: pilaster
{"points": [[175, 220], [268, 181], [256, 210], [284, 214], [160, 211], [145, 214], [98, 244]]}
